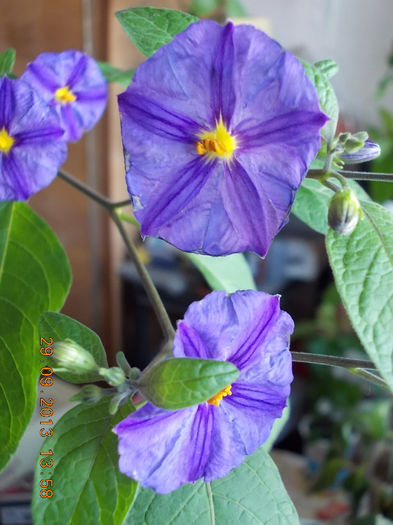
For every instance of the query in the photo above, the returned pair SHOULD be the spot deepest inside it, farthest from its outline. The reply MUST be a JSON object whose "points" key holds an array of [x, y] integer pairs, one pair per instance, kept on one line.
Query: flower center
{"points": [[64, 96], [215, 400], [6, 141], [216, 143]]}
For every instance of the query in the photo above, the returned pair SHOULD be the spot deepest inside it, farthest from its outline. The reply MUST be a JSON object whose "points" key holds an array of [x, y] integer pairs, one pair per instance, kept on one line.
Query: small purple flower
{"points": [[219, 128], [31, 141], [164, 449], [72, 82], [370, 151]]}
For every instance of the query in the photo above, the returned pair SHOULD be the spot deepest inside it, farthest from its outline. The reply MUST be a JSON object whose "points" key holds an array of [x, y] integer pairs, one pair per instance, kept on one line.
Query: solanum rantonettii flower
{"points": [[73, 84], [31, 141], [219, 128], [163, 449]]}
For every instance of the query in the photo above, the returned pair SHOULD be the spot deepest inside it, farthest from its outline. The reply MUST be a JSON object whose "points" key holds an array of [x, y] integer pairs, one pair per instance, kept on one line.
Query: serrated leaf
{"points": [[61, 327], [362, 264], [114, 74], [327, 97], [182, 382], [34, 277], [7, 61], [312, 202], [151, 28], [87, 484], [229, 273], [252, 494]]}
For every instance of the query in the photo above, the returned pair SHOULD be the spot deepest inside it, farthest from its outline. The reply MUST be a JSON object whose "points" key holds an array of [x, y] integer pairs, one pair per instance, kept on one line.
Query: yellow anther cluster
{"points": [[64, 96], [215, 400], [6, 141], [216, 143]]}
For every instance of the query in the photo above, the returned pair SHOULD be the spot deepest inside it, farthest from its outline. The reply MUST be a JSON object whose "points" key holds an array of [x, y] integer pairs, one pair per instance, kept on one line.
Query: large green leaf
{"points": [[229, 273], [150, 28], [182, 382], [34, 277], [362, 264], [114, 74], [312, 201], [7, 61], [319, 74], [87, 485], [252, 494], [61, 327]]}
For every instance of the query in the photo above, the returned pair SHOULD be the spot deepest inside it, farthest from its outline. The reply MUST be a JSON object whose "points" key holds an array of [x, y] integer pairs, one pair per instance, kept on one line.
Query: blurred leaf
{"points": [[87, 485], [61, 327], [151, 28], [229, 273], [329, 473], [7, 61], [34, 277], [236, 9], [114, 74], [328, 67], [182, 382], [362, 264], [251, 494], [203, 7]]}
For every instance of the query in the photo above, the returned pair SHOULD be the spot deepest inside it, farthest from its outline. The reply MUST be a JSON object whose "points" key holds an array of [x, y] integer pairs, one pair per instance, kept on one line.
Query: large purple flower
{"points": [[72, 82], [219, 128], [31, 141], [164, 449]]}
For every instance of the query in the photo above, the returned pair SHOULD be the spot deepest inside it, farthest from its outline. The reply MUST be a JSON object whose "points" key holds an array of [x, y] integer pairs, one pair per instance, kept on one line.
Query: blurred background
{"points": [[338, 441]]}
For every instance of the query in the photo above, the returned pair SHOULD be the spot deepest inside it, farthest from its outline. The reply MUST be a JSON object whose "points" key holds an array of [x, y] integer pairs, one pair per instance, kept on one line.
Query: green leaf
{"points": [[229, 273], [87, 484], [7, 61], [182, 382], [251, 494], [362, 264], [326, 94], [328, 66], [203, 7], [34, 277], [235, 8], [61, 327], [114, 74], [150, 28], [312, 202]]}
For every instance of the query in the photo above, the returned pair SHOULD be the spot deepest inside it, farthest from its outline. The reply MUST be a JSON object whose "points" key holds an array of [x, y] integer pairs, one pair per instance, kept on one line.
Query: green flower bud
{"points": [[71, 357], [344, 212], [89, 394], [113, 376]]}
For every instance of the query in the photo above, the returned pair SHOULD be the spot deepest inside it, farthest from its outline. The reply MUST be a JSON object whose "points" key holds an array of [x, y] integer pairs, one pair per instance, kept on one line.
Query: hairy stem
{"points": [[330, 360], [147, 283]]}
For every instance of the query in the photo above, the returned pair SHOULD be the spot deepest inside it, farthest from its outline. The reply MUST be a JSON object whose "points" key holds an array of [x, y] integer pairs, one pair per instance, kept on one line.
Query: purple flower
{"points": [[219, 128], [164, 449], [370, 151], [72, 82], [31, 141]]}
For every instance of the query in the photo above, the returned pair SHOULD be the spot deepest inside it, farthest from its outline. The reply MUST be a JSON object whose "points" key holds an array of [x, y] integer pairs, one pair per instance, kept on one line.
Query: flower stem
{"points": [[330, 360], [372, 378], [367, 175], [147, 283]]}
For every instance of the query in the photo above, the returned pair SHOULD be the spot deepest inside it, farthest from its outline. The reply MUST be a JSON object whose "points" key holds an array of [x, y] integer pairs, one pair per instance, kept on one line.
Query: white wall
{"points": [[358, 34]]}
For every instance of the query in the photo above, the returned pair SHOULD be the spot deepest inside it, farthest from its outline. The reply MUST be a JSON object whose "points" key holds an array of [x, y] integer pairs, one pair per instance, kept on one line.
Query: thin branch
{"points": [[366, 175], [330, 360]]}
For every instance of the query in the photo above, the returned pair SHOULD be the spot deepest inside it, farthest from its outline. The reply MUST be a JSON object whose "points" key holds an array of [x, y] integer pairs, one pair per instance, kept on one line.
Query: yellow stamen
{"points": [[216, 143], [215, 400], [6, 141], [64, 96]]}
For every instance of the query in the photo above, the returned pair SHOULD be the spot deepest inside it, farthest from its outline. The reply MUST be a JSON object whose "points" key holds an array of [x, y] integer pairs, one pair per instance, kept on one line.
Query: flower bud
{"points": [[89, 394], [344, 212], [73, 358], [369, 151], [113, 376]]}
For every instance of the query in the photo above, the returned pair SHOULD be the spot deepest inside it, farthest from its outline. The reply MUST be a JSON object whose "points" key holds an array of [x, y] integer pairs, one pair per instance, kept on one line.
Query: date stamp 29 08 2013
{"points": [[46, 412]]}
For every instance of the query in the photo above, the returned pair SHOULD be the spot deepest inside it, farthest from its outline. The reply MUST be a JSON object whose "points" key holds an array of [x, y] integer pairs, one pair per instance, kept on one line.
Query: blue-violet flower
{"points": [[219, 128], [163, 449], [31, 141], [72, 83]]}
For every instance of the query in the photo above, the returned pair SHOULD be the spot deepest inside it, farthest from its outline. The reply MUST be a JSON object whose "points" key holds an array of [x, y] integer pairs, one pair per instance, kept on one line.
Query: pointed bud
{"points": [[113, 376], [73, 358], [89, 394], [369, 151], [344, 212]]}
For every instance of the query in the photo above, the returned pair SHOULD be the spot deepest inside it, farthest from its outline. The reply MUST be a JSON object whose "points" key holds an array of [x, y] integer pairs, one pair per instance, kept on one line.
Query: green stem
{"points": [[367, 175], [147, 283], [372, 378], [330, 360]]}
